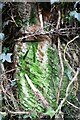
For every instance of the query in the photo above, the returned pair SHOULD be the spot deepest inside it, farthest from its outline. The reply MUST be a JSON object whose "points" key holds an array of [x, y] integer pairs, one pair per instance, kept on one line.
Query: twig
{"points": [[37, 33], [60, 57], [41, 19], [59, 18], [8, 72], [68, 44], [73, 105], [66, 51], [13, 20], [67, 91], [62, 70], [18, 112], [10, 96], [15, 113]]}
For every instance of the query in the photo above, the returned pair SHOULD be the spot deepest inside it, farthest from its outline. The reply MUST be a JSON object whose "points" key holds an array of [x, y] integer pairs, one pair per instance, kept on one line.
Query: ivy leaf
{"points": [[1, 5], [75, 15], [6, 57], [2, 36]]}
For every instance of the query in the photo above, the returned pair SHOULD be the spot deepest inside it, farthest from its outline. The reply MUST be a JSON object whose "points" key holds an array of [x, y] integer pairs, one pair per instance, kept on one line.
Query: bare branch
{"points": [[11, 97], [7, 72], [62, 31], [62, 70], [68, 44], [60, 57], [73, 105], [59, 18], [18, 112], [67, 91]]}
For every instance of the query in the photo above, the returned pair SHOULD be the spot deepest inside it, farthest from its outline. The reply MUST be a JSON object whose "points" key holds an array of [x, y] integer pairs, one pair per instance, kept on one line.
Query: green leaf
{"points": [[50, 112], [34, 115]]}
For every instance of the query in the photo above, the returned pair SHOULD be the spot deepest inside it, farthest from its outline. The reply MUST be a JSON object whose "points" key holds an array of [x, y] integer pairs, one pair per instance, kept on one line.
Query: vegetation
{"points": [[40, 58]]}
